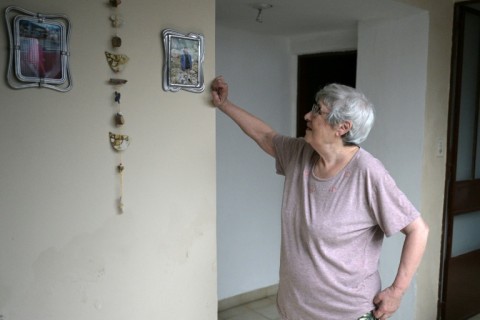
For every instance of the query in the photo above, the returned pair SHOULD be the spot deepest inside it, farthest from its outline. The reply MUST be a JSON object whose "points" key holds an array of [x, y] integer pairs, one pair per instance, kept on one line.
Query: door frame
{"points": [[452, 207]]}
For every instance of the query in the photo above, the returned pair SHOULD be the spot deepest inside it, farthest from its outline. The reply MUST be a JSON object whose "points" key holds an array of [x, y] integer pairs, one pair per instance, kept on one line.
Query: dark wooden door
{"points": [[460, 270], [317, 70]]}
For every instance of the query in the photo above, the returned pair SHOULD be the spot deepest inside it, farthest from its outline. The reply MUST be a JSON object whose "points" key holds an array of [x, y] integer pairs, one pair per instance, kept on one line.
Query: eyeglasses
{"points": [[317, 109]]}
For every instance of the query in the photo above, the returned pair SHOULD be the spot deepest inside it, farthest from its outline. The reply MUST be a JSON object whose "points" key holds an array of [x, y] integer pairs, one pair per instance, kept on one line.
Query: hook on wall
{"points": [[260, 8]]}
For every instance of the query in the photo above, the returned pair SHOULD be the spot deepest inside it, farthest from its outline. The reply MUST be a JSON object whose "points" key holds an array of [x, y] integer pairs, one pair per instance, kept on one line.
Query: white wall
{"points": [[328, 41], [249, 192], [392, 68], [65, 252]]}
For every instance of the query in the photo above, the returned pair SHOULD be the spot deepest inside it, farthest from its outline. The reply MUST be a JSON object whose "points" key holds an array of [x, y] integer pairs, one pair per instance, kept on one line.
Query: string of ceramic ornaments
{"points": [[117, 62]]}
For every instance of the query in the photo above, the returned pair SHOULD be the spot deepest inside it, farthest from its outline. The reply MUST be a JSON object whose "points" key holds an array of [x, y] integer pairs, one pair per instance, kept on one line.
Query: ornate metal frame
{"points": [[177, 73], [39, 54]]}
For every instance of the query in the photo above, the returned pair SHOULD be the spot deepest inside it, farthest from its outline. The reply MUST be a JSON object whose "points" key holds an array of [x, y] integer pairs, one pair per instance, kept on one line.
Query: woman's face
{"points": [[319, 132]]}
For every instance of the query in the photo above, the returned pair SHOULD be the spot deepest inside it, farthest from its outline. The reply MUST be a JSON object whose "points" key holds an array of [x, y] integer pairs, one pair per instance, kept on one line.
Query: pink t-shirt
{"points": [[332, 233]]}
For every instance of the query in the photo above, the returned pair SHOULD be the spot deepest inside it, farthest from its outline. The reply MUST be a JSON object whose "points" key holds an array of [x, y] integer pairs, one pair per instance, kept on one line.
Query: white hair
{"points": [[348, 104]]}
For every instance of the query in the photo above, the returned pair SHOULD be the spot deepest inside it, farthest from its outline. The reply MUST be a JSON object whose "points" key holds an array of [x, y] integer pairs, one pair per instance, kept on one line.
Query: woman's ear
{"points": [[344, 127]]}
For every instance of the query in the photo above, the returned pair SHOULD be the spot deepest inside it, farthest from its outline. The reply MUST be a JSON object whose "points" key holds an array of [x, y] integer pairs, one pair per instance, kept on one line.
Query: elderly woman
{"points": [[338, 203]]}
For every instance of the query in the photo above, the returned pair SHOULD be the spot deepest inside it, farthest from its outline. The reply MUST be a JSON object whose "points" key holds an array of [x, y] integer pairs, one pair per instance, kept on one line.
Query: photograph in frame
{"points": [[39, 55], [183, 63]]}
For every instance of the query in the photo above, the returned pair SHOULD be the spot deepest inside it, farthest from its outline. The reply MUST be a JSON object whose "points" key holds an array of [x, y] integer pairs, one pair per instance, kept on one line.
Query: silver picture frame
{"points": [[183, 61], [38, 50]]}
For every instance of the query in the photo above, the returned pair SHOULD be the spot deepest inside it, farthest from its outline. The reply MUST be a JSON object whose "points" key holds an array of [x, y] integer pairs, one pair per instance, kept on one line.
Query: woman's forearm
{"points": [[413, 249]]}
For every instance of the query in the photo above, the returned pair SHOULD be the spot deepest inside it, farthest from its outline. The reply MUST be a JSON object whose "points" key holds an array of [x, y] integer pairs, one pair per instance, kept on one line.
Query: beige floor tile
{"points": [[248, 315], [270, 312], [233, 312], [263, 309], [259, 304]]}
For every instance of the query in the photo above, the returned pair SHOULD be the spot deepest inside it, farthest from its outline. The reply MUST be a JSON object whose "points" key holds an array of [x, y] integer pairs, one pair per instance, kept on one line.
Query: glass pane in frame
{"points": [[40, 49], [468, 104], [465, 233], [477, 156]]}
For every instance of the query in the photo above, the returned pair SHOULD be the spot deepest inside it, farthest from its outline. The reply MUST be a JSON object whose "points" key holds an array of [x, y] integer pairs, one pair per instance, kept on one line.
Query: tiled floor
{"points": [[264, 309]]}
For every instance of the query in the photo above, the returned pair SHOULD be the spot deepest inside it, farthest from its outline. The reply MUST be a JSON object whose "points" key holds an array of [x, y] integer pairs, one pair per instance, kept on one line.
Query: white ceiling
{"points": [[290, 17]]}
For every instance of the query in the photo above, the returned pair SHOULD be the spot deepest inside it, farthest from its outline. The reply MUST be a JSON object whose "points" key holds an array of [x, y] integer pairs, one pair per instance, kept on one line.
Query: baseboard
{"points": [[247, 297]]}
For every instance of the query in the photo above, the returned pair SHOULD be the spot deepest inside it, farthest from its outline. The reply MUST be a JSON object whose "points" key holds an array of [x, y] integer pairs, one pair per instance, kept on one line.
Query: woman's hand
{"points": [[219, 92], [387, 302]]}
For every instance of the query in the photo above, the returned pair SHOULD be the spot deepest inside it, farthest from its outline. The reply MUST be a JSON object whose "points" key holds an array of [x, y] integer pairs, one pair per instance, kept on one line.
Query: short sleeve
{"points": [[287, 150], [390, 205]]}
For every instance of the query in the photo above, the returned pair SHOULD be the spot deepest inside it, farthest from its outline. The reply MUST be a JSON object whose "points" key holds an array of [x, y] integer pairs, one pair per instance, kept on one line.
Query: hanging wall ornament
{"points": [[116, 42], [117, 20], [120, 169], [117, 97], [115, 3], [119, 142], [119, 119], [116, 81], [116, 61]]}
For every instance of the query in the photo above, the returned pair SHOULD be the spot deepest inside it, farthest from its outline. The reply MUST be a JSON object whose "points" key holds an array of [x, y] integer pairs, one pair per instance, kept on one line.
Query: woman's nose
{"points": [[308, 116]]}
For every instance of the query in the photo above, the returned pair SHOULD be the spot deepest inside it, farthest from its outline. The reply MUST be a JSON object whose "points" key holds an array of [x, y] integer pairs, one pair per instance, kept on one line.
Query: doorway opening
{"points": [[317, 70], [459, 276]]}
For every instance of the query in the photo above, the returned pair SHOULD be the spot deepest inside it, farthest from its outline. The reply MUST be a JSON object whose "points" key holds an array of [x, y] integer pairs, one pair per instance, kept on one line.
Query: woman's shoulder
{"points": [[292, 148], [369, 163], [282, 141]]}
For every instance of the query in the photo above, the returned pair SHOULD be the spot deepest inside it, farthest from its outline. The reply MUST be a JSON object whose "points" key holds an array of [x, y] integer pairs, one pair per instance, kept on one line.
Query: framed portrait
{"points": [[39, 55], [183, 61]]}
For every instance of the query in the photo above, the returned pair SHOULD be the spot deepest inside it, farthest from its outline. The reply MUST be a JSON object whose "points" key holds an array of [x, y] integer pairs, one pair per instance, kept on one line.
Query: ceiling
{"points": [[292, 17]]}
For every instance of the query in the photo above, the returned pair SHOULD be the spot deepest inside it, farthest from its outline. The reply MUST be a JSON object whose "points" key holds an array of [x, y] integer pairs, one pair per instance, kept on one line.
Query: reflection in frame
{"points": [[183, 61], [39, 55]]}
